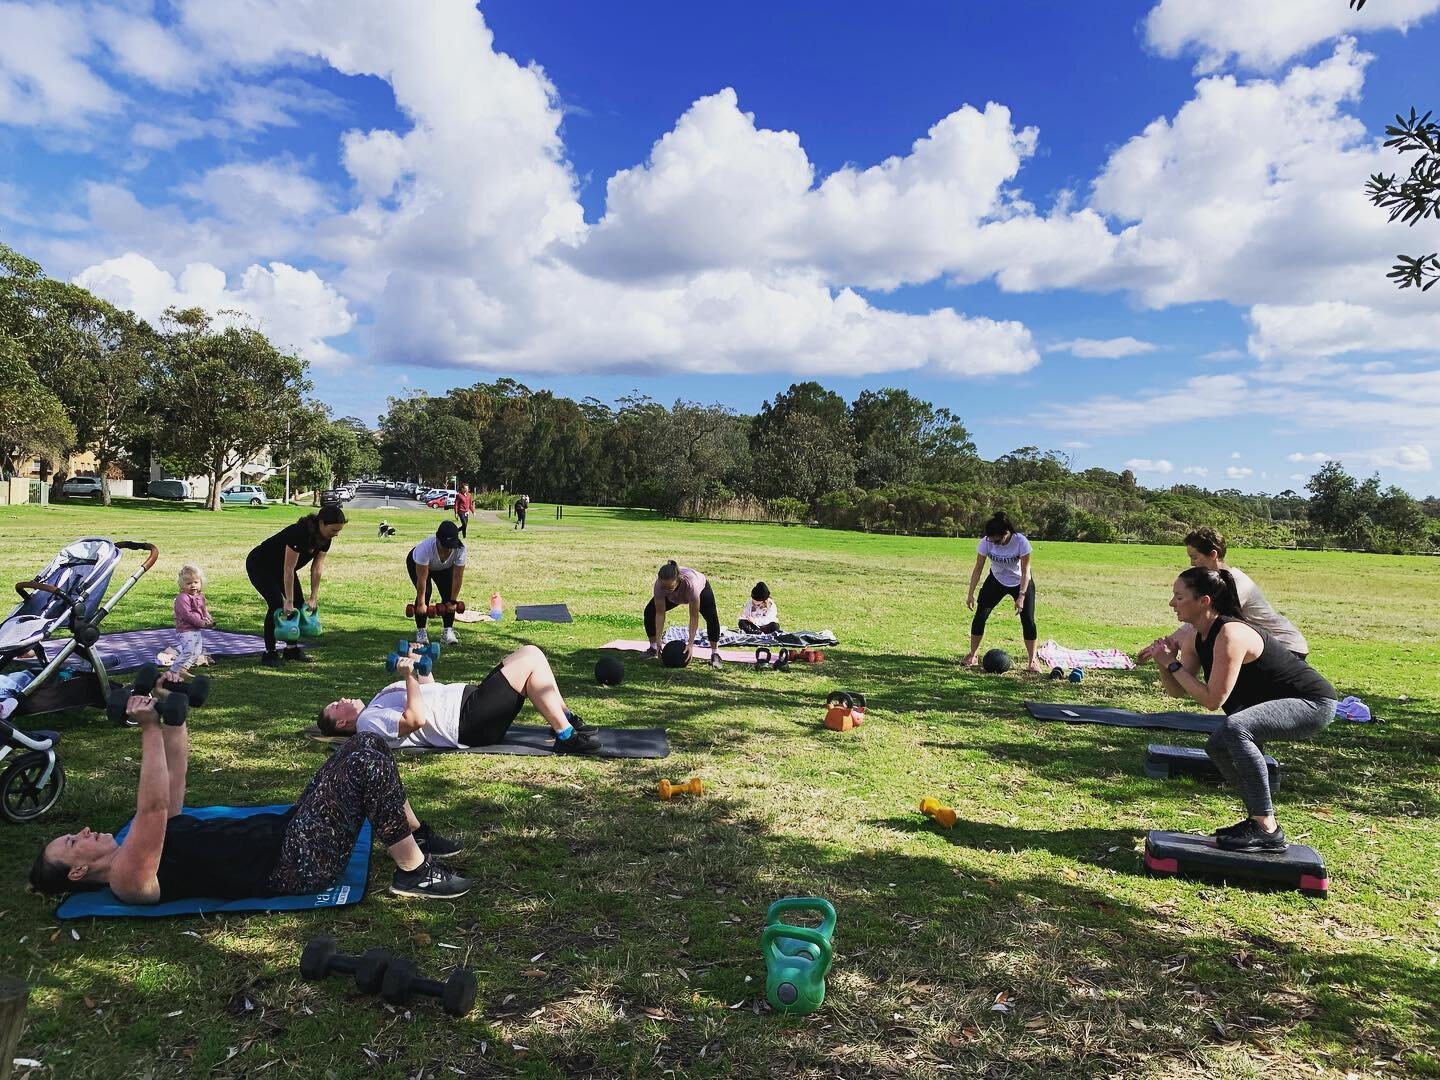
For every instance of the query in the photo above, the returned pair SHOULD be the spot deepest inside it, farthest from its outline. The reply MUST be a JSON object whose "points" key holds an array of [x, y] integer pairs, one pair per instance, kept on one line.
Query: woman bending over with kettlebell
{"points": [[1265, 691], [273, 564]]}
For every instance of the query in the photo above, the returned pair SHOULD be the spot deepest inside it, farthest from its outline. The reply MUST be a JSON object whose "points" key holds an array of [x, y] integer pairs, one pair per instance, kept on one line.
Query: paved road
{"points": [[373, 497]]}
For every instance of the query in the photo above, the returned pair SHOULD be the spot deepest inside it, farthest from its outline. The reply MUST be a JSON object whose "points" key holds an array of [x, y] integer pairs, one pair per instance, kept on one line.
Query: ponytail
{"points": [[1218, 585]]}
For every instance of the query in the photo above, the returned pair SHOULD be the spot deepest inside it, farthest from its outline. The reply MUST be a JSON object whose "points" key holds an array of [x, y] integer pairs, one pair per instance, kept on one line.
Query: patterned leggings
{"points": [[358, 782]]}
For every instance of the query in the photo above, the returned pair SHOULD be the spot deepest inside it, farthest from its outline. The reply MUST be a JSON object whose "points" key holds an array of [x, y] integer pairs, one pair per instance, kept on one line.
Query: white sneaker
{"points": [[450, 637], [422, 637]]}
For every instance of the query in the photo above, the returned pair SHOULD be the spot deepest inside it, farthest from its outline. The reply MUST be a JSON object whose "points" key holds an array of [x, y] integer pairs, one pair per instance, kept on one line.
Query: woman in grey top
{"points": [[1206, 549]]}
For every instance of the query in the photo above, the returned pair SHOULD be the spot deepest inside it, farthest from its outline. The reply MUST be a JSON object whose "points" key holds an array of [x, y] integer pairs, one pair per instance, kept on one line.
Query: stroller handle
{"points": [[140, 545], [41, 586]]}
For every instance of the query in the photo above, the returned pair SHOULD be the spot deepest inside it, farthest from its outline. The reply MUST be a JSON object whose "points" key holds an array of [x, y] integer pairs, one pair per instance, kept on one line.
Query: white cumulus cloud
{"points": [[1146, 465], [1318, 456], [1107, 348], [1264, 35], [1235, 472]]}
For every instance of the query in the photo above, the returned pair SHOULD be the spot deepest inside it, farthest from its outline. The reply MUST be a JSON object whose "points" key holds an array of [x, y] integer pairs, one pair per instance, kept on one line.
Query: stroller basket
{"points": [[68, 595]]}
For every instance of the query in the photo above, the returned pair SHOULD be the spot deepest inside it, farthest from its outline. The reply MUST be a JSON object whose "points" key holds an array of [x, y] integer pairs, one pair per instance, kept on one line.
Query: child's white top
{"points": [[761, 612]]}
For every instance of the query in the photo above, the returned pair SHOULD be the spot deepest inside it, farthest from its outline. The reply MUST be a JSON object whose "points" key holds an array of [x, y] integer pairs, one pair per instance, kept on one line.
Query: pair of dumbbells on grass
{"points": [[435, 610], [1076, 674], [429, 653], [172, 700], [393, 977]]}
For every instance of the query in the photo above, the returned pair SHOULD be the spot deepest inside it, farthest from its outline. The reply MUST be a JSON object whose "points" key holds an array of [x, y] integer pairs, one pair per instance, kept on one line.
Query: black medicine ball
{"points": [[673, 654], [609, 671], [996, 661]]}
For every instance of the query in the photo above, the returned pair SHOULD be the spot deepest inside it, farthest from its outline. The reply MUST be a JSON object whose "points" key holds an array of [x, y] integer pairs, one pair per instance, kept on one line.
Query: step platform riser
{"points": [[1299, 867]]}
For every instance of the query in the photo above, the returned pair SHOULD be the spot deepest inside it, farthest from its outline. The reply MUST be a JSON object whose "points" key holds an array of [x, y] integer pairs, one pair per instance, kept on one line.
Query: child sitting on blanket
{"points": [[192, 619], [761, 614]]}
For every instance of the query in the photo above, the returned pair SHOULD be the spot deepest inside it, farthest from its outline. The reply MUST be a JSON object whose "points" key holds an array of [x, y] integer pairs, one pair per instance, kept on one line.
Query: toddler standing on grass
{"points": [[192, 619]]}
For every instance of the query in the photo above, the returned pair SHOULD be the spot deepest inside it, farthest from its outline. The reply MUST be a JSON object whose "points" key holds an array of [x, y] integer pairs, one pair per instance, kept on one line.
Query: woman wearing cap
{"points": [[273, 567], [437, 560], [676, 585]]}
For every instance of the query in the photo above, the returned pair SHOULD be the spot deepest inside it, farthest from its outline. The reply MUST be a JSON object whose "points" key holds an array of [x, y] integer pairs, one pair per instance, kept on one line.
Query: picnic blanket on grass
{"points": [[1054, 655]]}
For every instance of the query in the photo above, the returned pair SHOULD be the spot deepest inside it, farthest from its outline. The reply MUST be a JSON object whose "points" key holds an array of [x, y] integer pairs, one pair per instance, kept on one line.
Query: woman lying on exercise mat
{"points": [[171, 855], [418, 711], [1206, 548], [1009, 555], [1264, 690]]}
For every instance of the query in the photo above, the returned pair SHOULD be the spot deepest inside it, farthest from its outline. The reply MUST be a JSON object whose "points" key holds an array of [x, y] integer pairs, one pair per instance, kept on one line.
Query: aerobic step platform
{"points": [[1298, 867], [1164, 762]]}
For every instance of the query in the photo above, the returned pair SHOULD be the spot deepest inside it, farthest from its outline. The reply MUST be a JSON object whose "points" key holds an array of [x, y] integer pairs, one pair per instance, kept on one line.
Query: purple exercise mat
{"points": [[130, 649]]}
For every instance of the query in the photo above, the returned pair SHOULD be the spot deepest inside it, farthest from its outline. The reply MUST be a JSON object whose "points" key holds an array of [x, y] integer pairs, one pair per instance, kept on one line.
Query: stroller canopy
{"points": [[81, 574]]}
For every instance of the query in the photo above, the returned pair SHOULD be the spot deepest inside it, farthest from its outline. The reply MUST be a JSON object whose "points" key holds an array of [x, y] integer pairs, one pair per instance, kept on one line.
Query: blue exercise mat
{"points": [[101, 903]]}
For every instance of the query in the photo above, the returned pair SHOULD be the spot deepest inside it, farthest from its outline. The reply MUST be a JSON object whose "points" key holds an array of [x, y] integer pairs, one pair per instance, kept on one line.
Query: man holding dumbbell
{"points": [[418, 711], [437, 560], [171, 855]]}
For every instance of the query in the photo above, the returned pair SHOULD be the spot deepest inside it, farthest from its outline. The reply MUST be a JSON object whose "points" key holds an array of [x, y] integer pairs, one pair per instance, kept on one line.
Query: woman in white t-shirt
{"points": [[437, 561], [1009, 555]]}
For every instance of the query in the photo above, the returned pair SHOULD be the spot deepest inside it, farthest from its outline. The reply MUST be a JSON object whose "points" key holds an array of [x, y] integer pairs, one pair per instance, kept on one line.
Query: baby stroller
{"points": [[68, 595], [34, 780]]}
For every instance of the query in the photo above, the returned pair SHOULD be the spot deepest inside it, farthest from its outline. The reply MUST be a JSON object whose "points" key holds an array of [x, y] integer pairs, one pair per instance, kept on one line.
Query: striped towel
{"points": [[1055, 655]]}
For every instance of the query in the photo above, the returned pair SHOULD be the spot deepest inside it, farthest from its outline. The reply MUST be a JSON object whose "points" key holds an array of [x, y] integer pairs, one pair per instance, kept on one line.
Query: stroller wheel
{"points": [[22, 798]]}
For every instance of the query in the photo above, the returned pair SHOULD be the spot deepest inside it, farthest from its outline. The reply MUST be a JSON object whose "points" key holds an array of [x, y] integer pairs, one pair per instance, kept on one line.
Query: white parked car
{"points": [[251, 494], [81, 487]]}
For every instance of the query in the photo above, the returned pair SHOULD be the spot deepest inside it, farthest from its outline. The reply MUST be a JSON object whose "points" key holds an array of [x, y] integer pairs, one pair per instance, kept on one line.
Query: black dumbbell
{"points": [[321, 957], [173, 708], [147, 681], [403, 981]]}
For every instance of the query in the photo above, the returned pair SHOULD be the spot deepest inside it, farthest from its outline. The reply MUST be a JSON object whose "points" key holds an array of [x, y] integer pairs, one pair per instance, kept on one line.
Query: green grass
{"points": [[614, 935]]}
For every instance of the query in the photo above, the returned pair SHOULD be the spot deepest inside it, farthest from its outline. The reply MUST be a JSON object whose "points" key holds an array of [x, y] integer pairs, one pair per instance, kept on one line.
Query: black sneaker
{"points": [[1231, 830], [297, 656], [577, 723], [1251, 836], [430, 881], [651, 653], [271, 659], [584, 740], [433, 845]]}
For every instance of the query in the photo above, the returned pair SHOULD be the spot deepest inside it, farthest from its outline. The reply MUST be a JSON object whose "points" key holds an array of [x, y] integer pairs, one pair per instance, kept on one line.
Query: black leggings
{"points": [[488, 708], [266, 579], [444, 579], [358, 782], [991, 593], [754, 628], [464, 522], [707, 612]]}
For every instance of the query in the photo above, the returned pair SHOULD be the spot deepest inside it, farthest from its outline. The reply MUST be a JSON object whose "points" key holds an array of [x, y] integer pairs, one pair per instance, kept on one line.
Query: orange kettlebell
{"points": [[841, 713]]}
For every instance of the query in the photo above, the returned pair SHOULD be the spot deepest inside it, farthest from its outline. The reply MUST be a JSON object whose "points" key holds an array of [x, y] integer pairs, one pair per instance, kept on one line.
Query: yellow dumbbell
{"points": [[943, 816], [689, 787]]}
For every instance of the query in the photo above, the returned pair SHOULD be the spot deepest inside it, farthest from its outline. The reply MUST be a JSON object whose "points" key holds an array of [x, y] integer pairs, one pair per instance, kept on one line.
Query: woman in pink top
{"points": [[192, 619], [676, 585]]}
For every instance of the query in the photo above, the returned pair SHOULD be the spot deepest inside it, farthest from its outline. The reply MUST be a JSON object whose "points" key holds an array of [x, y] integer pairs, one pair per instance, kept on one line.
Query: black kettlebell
{"points": [[762, 658], [782, 662]]}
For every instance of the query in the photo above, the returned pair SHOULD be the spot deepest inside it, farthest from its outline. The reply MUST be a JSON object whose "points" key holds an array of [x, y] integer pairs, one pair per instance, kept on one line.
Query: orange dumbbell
{"points": [[944, 816], [689, 787]]}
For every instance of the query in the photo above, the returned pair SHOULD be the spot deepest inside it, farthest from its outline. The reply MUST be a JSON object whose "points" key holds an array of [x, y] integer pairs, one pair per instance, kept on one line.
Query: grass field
{"points": [[615, 935]]}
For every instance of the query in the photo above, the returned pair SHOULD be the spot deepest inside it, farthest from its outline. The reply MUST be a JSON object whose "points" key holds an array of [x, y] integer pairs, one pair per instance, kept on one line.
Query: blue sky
{"points": [[1133, 231]]}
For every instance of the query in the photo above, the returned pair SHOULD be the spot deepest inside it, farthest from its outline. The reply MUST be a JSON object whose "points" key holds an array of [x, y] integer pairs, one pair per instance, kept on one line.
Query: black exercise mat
{"points": [[1167, 762], [1094, 714], [537, 741], [542, 613]]}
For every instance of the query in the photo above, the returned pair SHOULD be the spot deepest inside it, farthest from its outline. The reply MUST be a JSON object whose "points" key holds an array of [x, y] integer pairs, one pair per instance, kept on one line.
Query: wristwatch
{"points": [[1173, 666]]}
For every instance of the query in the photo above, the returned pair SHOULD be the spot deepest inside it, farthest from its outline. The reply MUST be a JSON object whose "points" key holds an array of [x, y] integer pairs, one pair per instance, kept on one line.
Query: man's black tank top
{"points": [[1275, 674], [229, 858]]}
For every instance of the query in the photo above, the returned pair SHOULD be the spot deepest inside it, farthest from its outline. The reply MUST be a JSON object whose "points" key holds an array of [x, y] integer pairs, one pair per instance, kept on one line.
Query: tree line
{"points": [[886, 462], [204, 398], [79, 374]]}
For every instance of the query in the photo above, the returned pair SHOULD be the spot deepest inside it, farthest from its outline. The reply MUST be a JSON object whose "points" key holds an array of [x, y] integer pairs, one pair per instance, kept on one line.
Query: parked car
{"points": [[82, 487], [244, 493], [445, 500], [169, 489], [333, 497]]}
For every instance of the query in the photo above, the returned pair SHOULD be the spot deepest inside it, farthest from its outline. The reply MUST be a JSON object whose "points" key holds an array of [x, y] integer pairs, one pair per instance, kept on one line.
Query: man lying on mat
{"points": [[418, 711], [171, 855]]}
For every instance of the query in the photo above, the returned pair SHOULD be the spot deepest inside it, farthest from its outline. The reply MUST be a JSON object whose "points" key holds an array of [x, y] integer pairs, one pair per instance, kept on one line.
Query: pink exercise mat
{"points": [[730, 656]]}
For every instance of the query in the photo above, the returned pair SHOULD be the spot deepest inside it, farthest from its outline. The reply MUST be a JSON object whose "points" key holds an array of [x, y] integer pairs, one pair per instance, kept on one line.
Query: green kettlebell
{"points": [[287, 629], [797, 958], [309, 621]]}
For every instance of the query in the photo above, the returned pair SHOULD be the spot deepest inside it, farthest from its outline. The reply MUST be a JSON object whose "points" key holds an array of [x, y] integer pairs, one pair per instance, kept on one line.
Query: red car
{"points": [[444, 501]]}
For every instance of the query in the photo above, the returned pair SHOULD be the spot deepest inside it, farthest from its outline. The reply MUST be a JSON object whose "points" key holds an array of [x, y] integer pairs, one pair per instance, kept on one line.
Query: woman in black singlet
{"points": [[272, 566], [171, 855], [1265, 691]]}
